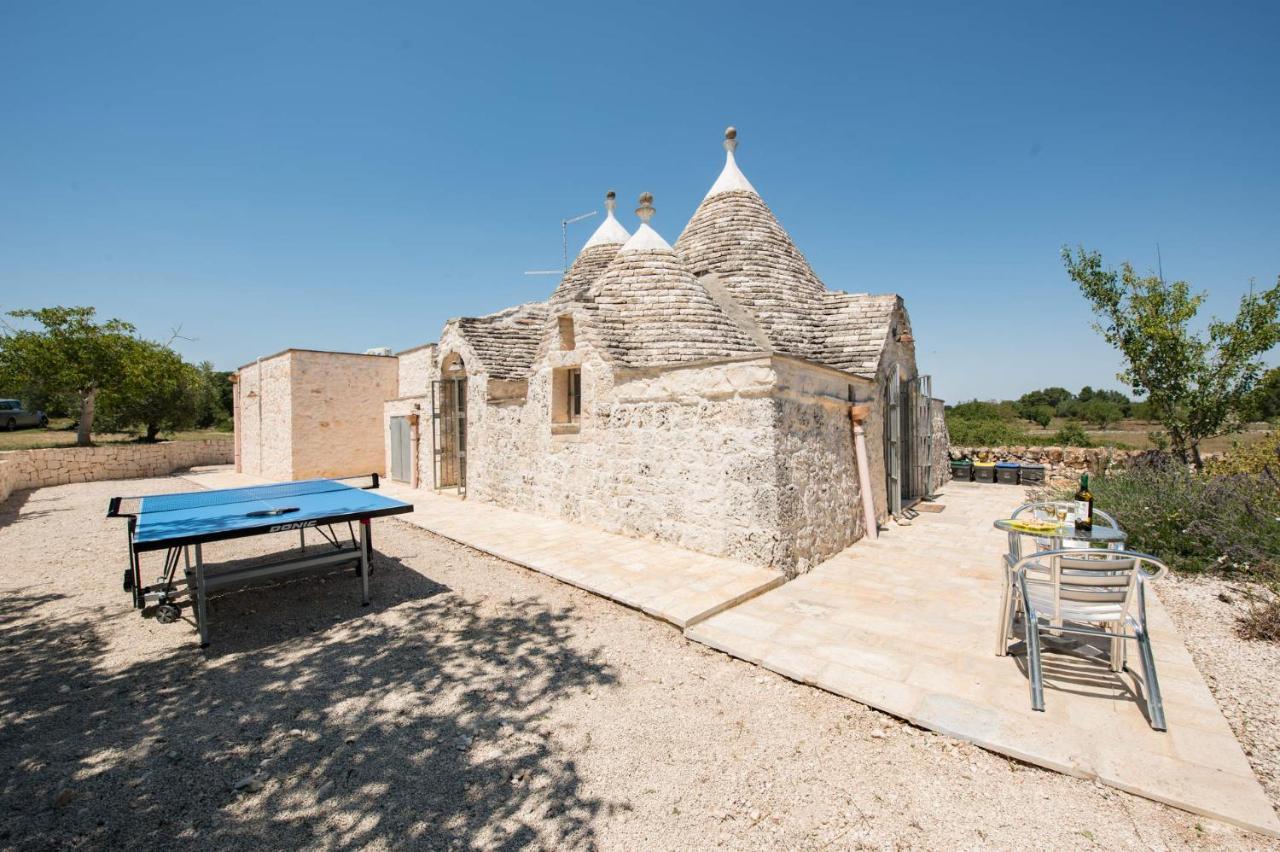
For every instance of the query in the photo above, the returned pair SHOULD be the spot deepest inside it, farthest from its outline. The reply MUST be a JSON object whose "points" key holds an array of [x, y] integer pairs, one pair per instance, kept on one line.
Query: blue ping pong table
{"points": [[181, 524]]}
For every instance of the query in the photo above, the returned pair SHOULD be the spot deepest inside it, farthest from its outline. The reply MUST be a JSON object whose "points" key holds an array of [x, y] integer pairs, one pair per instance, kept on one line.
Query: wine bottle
{"points": [[1084, 505]]}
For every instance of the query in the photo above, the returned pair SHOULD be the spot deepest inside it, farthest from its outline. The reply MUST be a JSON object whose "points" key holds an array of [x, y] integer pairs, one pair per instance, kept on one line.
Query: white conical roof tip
{"points": [[731, 178], [610, 231], [646, 238]]}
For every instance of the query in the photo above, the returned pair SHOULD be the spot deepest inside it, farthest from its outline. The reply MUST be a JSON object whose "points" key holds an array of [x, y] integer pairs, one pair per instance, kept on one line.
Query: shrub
{"points": [[1263, 620], [1252, 458], [1196, 522], [1072, 435], [975, 410], [967, 432]]}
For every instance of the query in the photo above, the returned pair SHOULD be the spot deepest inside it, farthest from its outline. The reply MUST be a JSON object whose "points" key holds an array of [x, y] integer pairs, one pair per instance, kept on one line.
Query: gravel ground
{"points": [[1244, 676], [475, 704]]}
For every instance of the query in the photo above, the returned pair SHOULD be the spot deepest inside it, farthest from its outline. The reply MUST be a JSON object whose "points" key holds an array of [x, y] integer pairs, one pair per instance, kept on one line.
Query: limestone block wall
{"points": [[264, 423], [21, 469], [337, 412], [417, 369], [941, 445]]}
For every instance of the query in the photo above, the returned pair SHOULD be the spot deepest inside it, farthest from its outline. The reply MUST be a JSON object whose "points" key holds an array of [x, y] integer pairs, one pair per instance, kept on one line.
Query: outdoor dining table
{"points": [[1109, 537]]}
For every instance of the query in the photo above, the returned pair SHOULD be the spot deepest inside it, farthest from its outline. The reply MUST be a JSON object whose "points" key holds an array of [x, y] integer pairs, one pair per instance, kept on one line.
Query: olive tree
{"points": [[1195, 384], [68, 354], [158, 390]]}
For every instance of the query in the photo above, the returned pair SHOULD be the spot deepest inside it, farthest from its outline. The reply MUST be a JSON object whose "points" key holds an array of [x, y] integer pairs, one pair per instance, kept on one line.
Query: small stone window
{"points": [[566, 399], [567, 342]]}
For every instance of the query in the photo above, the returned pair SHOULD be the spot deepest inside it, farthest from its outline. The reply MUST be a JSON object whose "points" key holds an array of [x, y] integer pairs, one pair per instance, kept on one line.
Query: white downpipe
{"points": [[864, 473]]}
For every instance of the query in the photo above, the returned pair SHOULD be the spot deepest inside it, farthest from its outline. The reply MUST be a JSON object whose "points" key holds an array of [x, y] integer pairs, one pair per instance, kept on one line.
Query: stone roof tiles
{"points": [[506, 341], [735, 235], [648, 310]]}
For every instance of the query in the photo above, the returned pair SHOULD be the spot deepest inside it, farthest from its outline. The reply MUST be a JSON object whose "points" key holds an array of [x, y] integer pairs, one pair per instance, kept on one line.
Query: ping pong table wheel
{"points": [[167, 613], [128, 580]]}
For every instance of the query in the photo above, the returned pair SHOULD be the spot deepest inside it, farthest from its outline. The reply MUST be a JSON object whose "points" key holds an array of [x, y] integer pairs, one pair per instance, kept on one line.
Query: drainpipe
{"points": [[858, 414], [413, 447], [237, 425]]}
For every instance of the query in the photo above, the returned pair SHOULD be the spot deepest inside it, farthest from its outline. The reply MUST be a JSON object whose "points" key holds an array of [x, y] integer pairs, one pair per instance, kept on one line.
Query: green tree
{"points": [[1195, 384], [213, 397], [1100, 412], [1263, 402], [159, 391], [1039, 414], [69, 355]]}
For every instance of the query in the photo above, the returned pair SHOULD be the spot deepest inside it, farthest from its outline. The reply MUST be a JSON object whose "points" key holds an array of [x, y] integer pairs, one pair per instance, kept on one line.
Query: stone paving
{"points": [[907, 623], [675, 585]]}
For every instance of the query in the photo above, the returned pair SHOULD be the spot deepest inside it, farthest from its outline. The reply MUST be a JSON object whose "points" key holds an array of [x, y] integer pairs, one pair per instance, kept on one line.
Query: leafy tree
{"points": [[1195, 385], [1263, 402], [159, 391], [1046, 396], [70, 355], [1100, 412], [1039, 414], [213, 397], [976, 410]]}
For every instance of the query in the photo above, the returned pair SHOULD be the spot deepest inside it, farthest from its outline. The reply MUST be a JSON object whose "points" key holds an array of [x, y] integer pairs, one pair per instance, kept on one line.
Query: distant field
{"points": [[1134, 433], [60, 435]]}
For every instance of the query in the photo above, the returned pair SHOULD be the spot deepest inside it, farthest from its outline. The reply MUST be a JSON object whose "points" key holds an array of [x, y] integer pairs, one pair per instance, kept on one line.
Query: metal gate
{"points": [[401, 456], [920, 451], [908, 439], [893, 441], [449, 434]]}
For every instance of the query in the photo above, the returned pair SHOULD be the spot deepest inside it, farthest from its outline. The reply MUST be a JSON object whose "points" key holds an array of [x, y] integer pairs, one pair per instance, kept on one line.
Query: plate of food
{"points": [[1035, 526]]}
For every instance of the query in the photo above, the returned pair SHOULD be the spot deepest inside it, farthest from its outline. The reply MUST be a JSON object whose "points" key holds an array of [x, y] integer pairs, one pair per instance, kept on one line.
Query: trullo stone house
{"points": [[712, 393]]}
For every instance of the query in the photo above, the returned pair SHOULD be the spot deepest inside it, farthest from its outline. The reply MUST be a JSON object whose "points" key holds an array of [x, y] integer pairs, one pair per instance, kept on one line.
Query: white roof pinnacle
{"points": [[731, 178], [645, 238], [610, 230]]}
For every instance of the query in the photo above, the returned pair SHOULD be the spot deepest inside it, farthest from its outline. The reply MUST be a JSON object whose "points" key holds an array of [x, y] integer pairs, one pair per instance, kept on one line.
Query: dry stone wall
{"points": [[20, 469], [1061, 463]]}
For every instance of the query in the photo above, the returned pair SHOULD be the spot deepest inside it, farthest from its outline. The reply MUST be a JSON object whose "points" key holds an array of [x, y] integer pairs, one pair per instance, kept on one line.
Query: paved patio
{"points": [[906, 623], [675, 585]]}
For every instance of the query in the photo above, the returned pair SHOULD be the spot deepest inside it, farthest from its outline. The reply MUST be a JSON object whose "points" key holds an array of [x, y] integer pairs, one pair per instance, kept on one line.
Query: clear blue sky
{"points": [[350, 175]]}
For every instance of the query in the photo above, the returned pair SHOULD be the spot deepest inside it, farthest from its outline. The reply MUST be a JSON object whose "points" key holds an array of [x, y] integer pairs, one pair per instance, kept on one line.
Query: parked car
{"points": [[13, 415]]}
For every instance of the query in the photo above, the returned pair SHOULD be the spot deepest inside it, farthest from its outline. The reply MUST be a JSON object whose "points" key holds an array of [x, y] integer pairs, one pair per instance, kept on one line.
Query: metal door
{"points": [[920, 437], [449, 433], [400, 452]]}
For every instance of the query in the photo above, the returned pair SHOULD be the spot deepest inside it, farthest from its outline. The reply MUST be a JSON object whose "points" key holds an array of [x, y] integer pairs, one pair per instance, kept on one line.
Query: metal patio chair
{"points": [[1101, 593], [1042, 510]]}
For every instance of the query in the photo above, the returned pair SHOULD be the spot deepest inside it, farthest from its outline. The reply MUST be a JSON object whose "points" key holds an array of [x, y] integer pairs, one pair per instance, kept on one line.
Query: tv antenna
{"points": [[564, 245]]}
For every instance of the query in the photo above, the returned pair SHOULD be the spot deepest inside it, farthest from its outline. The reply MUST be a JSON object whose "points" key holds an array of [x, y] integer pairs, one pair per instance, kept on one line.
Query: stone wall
{"points": [[21, 469], [417, 369], [303, 414], [941, 445], [1062, 464], [264, 422], [337, 424]]}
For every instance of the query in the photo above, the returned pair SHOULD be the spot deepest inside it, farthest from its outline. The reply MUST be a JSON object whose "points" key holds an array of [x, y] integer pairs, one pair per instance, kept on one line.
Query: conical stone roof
{"points": [[596, 254], [734, 235], [648, 310]]}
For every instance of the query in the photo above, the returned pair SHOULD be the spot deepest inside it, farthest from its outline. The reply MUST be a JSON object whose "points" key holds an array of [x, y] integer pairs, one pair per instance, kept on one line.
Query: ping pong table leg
{"points": [[202, 616], [364, 561]]}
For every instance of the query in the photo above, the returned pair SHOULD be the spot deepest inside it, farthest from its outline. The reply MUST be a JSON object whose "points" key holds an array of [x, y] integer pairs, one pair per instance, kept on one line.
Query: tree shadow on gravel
{"points": [[417, 726]]}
